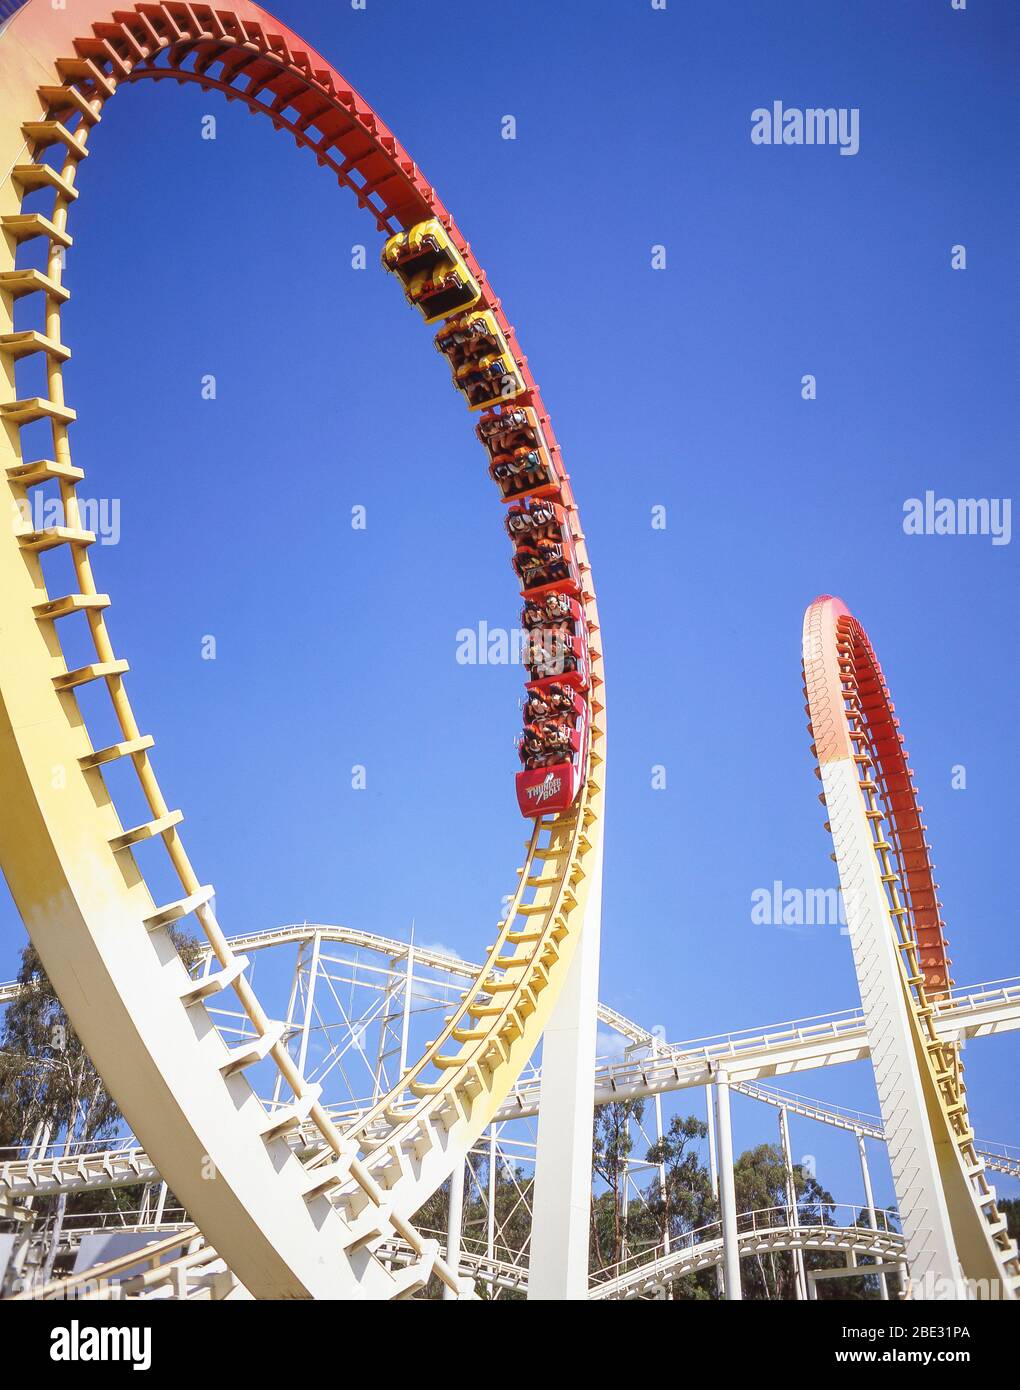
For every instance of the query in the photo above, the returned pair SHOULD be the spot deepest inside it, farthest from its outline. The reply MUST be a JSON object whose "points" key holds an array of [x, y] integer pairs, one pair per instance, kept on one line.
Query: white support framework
{"points": [[869, 1199], [368, 1003], [931, 1249], [454, 1225], [562, 1202], [727, 1191], [800, 1288]]}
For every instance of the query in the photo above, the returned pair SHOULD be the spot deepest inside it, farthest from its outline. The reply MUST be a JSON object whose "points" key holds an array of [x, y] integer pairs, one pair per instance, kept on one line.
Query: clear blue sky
{"points": [[679, 387]]}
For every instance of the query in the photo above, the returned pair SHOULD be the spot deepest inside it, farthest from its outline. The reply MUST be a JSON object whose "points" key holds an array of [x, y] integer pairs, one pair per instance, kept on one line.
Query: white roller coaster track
{"points": [[291, 1226], [974, 1011], [182, 1265], [657, 1270], [287, 1229], [953, 1228]]}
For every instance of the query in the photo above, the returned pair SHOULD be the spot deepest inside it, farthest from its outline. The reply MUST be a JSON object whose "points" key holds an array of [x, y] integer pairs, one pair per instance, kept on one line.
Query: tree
{"points": [[1009, 1207], [49, 1085], [46, 1076], [514, 1191], [612, 1145], [686, 1201]]}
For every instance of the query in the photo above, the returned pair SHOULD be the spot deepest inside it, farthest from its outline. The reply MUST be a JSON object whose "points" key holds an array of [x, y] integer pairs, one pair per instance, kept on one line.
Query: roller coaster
{"points": [[312, 1200]]}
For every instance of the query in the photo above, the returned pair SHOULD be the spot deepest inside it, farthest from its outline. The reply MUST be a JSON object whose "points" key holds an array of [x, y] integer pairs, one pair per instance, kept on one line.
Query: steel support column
{"points": [[562, 1202], [454, 1222], [869, 1199], [800, 1290], [727, 1189], [895, 1046]]}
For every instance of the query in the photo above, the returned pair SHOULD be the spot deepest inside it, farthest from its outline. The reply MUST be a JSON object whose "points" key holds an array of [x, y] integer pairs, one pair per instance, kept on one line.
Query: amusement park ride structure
{"points": [[310, 1200], [355, 1008]]}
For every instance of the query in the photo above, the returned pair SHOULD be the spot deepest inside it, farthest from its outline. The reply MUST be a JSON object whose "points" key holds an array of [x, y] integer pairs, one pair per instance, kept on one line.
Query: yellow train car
{"points": [[484, 369], [435, 277]]}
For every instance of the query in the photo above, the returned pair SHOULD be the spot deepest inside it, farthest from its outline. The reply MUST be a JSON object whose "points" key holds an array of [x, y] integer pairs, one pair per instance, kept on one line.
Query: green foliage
{"points": [[1009, 1207], [46, 1076], [47, 1079], [49, 1084], [512, 1205]]}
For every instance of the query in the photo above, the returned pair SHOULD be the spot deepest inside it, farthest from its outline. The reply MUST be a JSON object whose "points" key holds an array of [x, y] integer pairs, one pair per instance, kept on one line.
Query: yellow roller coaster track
{"points": [[287, 1227]]}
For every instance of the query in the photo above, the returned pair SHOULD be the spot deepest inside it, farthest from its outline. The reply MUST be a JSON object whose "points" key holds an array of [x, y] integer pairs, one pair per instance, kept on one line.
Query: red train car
{"points": [[554, 746], [521, 463], [551, 788]]}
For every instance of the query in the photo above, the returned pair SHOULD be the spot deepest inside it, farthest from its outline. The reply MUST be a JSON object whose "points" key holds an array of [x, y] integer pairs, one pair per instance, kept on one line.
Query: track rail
{"points": [[876, 825], [181, 1265], [125, 1165], [680, 1067], [296, 933], [758, 1233], [286, 1229], [804, 1045]]}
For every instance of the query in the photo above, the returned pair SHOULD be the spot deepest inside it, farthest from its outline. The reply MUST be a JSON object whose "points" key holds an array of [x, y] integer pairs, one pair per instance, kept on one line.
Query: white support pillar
{"points": [[405, 1018], [727, 1189], [278, 1083], [869, 1201], [490, 1225], [454, 1221], [713, 1169], [799, 1288], [930, 1246], [662, 1166], [16, 1265], [561, 1214], [713, 1161], [313, 971]]}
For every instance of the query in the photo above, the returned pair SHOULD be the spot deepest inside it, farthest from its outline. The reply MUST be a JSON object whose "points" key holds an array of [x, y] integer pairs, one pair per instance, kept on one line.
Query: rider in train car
{"points": [[488, 379], [557, 741], [527, 562], [562, 608], [556, 635], [537, 707], [514, 429], [532, 746], [555, 744], [541, 519], [544, 552], [519, 459], [553, 652], [546, 562], [553, 740], [533, 614], [521, 472], [553, 753], [517, 523], [484, 369], [554, 609], [553, 560], [551, 697]]}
